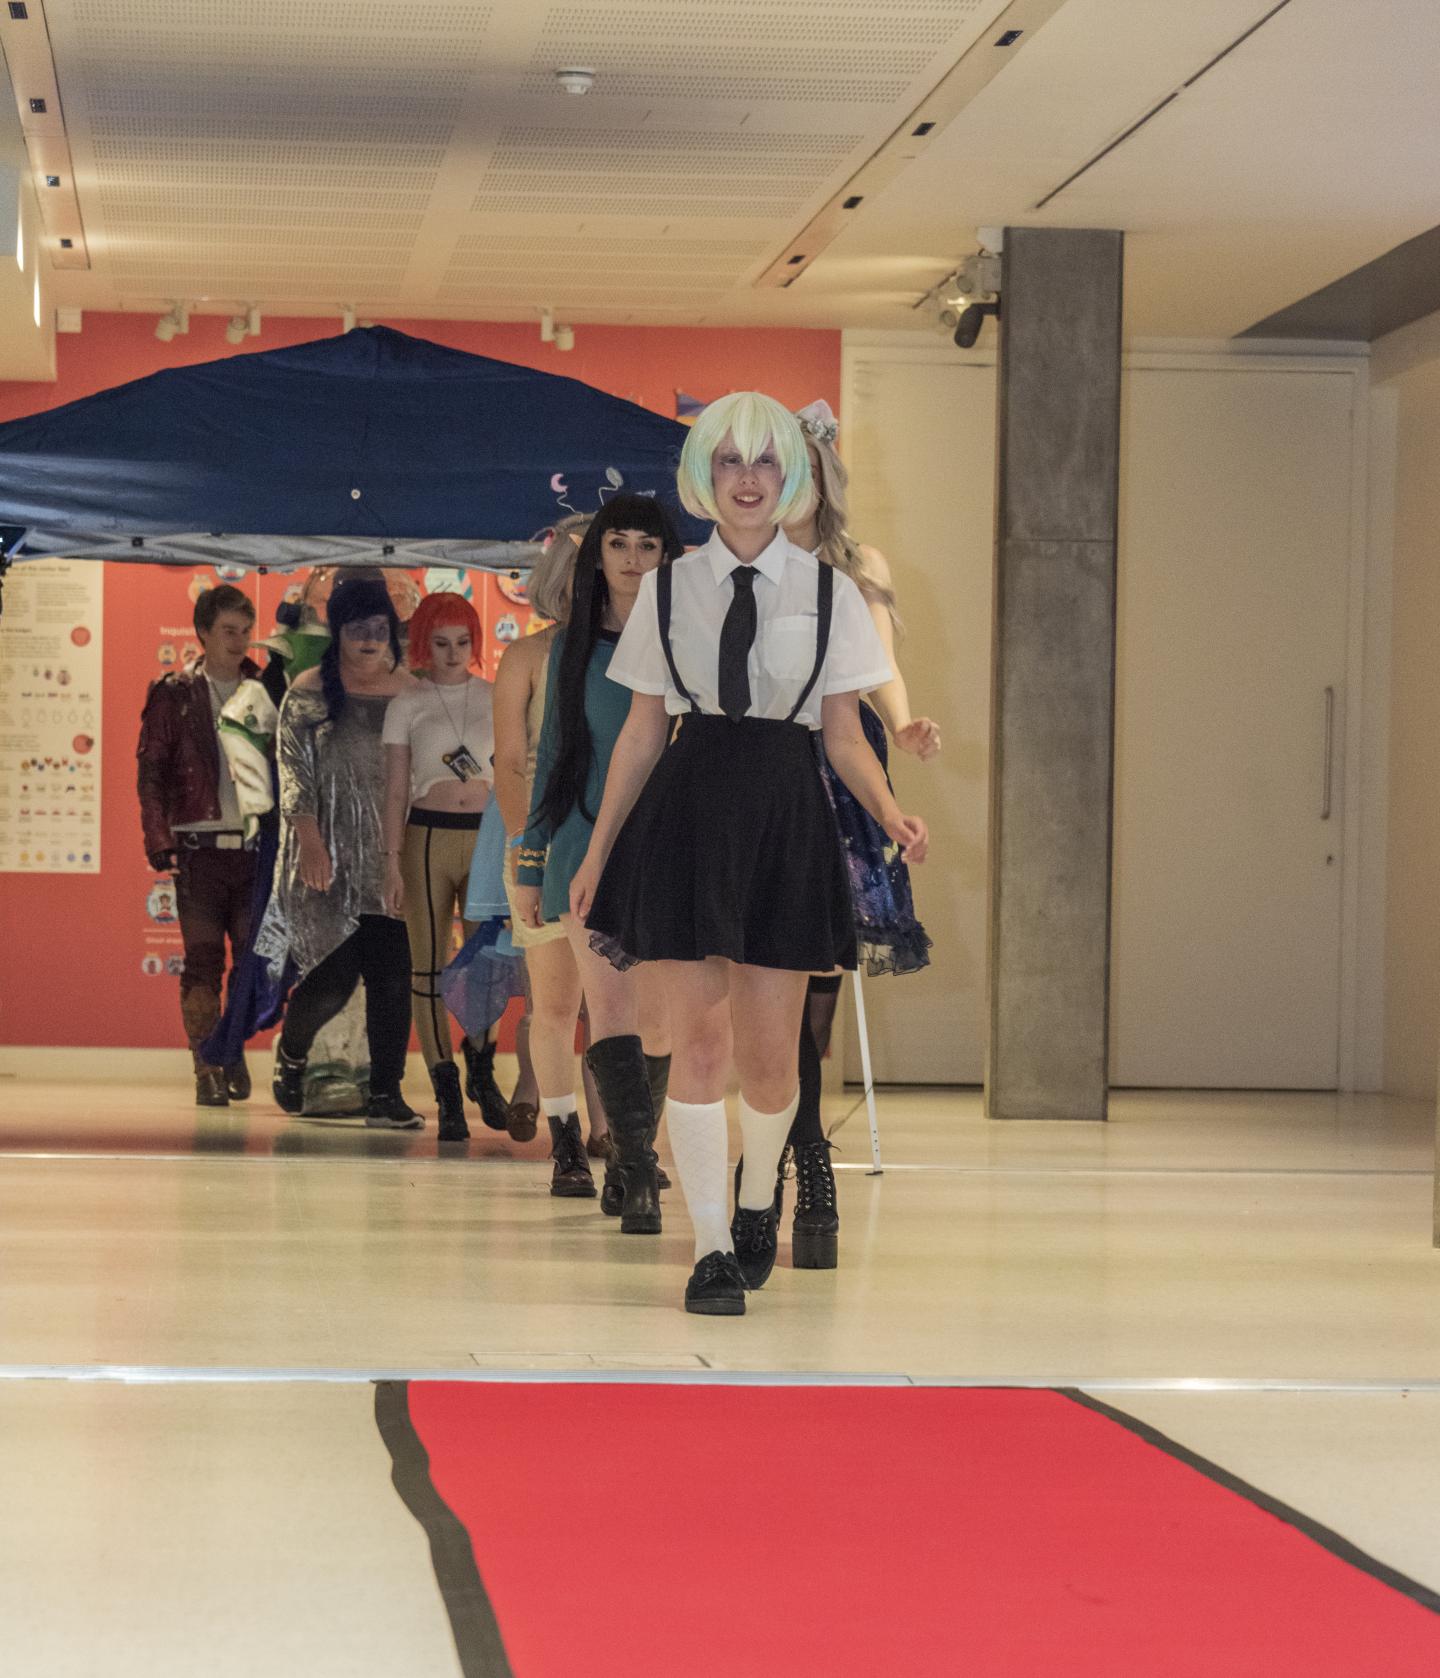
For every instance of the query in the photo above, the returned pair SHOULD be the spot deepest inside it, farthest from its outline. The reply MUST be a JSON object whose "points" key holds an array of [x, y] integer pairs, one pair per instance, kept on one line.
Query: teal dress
{"points": [[548, 859]]}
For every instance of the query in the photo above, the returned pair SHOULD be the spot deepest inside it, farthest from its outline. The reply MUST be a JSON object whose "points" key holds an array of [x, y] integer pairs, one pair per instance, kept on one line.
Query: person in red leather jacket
{"points": [[193, 825]]}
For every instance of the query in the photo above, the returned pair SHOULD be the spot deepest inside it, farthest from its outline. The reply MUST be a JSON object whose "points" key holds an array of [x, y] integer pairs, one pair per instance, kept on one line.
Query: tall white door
{"points": [[1234, 558], [920, 442]]}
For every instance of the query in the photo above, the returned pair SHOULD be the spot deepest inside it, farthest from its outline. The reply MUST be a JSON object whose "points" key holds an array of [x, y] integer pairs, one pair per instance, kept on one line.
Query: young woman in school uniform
{"points": [[718, 858]]}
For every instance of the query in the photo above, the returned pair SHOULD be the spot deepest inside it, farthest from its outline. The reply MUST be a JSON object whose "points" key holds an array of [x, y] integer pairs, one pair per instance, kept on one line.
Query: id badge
{"points": [[462, 765]]}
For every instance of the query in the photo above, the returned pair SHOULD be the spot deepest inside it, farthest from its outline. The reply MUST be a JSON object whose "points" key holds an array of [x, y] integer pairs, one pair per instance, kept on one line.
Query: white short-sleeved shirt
{"points": [[784, 651], [432, 720]]}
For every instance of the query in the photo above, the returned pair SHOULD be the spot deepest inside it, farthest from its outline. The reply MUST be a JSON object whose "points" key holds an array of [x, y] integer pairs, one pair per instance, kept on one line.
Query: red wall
{"points": [[73, 945]]}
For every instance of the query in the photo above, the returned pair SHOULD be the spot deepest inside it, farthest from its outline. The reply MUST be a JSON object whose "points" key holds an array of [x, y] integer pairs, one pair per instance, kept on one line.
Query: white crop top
{"points": [[439, 723]]}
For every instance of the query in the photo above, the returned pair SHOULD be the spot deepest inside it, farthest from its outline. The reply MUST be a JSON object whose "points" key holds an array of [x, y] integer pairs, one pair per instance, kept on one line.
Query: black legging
{"points": [[815, 1025], [378, 951]]}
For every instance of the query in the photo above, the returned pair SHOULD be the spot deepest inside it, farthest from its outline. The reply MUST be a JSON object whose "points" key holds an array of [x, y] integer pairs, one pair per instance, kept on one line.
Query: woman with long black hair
{"points": [[328, 913], [629, 537]]}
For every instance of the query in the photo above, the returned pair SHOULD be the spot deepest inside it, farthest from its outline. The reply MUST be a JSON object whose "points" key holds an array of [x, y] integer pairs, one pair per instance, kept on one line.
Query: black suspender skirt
{"points": [[731, 849]]}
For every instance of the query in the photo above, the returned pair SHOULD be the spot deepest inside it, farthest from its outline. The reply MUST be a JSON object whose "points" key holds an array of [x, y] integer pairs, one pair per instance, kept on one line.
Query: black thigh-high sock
{"points": [[806, 1124], [821, 998]]}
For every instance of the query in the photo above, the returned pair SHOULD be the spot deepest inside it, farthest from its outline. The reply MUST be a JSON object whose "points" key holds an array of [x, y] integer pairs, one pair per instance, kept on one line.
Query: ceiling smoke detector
{"points": [[576, 81]]}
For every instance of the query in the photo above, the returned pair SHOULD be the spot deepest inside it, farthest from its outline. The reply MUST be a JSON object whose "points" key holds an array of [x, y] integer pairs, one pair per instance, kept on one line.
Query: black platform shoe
{"points": [[392, 1112], [571, 1179], [481, 1087], [237, 1080], [445, 1080], [288, 1083], [815, 1234], [210, 1088], [755, 1238], [716, 1287], [618, 1067]]}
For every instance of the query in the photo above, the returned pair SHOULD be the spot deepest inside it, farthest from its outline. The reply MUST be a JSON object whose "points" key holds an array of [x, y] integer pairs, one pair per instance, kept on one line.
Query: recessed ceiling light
{"points": [[1010, 37], [854, 202], [38, 107], [67, 244], [795, 261], [920, 132], [19, 10], [52, 180]]}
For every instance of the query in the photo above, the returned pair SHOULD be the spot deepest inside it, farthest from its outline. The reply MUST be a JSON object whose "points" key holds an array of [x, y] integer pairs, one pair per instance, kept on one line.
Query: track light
{"points": [[564, 337], [252, 321], [347, 320], [547, 326], [235, 329], [178, 320]]}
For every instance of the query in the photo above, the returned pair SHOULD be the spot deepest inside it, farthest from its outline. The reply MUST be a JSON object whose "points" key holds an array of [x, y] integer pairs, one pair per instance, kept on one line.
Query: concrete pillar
{"points": [[1054, 674]]}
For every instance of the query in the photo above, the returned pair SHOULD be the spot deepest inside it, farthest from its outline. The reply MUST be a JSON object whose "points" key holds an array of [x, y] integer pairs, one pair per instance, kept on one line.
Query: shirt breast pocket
{"points": [[788, 649]]}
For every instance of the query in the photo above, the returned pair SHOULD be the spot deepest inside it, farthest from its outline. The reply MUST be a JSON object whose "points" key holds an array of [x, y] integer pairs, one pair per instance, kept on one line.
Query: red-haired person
{"points": [[439, 745]]}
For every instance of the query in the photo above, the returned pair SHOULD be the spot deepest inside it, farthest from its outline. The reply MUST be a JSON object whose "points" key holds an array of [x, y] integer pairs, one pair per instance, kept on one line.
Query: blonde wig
{"points": [[752, 421], [553, 574], [832, 511]]}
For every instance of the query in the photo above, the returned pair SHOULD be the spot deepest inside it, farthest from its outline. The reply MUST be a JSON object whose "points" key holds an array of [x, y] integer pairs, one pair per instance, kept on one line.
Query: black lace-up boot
{"points": [[445, 1080], [815, 1234], [716, 1287], [571, 1179], [657, 1068], [618, 1067], [481, 1087], [288, 1083]]}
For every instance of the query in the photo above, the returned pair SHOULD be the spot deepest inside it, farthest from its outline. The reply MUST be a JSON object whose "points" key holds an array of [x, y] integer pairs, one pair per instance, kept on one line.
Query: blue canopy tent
{"points": [[372, 447]]}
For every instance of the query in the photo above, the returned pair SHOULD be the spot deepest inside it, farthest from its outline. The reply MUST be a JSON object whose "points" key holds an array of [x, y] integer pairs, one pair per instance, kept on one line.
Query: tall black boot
{"points": [[481, 1087], [618, 1065], [657, 1069], [445, 1080]]}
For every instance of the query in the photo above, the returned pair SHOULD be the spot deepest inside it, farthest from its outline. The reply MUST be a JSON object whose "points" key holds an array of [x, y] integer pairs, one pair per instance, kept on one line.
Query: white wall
{"points": [[1412, 917]]}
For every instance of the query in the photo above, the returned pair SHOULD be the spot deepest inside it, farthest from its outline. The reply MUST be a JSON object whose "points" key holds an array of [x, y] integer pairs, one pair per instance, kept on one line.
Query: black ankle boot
{"points": [[657, 1068], [288, 1084], [618, 1067], [445, 1080], [571, 1179], [481, 1087], [815, 1234], [237, 1080], [391, 1112]]}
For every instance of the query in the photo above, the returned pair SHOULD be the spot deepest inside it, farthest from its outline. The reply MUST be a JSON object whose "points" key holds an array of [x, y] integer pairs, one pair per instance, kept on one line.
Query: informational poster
{"points": [[50, 717]]}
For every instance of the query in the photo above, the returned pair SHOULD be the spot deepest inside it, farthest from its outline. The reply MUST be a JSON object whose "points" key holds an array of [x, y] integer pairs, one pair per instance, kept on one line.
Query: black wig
{"points": [[565, 789], [352, 600]]}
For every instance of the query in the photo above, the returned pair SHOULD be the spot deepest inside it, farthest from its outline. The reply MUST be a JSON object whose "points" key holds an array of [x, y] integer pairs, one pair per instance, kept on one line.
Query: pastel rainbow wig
{"points": [[441, 611], [753, 421]]}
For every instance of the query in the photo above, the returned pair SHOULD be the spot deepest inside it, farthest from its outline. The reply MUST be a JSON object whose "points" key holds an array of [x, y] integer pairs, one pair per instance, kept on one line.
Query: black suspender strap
{"points": [[824, 601], [663, 582]]}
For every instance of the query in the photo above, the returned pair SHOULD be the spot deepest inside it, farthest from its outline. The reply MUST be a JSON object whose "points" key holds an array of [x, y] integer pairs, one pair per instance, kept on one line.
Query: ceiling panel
{"points": [[424, 159]]}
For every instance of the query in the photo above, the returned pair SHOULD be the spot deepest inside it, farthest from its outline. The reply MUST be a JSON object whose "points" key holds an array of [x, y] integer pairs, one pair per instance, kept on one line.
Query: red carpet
{"points": [[997, 1533]]}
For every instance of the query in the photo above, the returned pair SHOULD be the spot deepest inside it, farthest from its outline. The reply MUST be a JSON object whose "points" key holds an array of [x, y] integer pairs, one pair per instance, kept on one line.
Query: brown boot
{"points": [[210, 1090]]}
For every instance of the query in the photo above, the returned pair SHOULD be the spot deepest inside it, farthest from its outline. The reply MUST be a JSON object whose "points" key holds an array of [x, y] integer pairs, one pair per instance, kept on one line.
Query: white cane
{"points": [[868, 1075]]}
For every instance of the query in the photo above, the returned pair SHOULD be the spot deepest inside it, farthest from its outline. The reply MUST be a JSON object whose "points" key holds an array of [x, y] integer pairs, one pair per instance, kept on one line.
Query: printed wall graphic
{"points": [[50, 717]]}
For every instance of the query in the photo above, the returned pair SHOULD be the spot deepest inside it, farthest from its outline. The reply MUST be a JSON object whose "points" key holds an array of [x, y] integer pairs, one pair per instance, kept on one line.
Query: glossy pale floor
{"points": [[1274, 1240]]}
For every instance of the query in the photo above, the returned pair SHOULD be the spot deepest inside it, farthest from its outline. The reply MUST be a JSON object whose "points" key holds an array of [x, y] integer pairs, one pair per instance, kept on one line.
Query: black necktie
{"points": [[737, 636]]}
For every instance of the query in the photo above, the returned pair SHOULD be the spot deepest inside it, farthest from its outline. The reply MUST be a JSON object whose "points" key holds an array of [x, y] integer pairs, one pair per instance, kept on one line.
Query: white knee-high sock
{"points": [[701, 1146], [764, 1141]]}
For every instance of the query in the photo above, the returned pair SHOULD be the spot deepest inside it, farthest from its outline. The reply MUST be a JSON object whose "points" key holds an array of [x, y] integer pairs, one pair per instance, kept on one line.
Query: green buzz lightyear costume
{"points": [[337, 1072]]}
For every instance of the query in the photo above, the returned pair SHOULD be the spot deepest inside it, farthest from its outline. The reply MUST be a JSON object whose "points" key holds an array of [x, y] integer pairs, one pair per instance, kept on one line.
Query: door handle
{"points": [[1328, 796]]}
